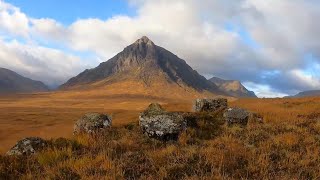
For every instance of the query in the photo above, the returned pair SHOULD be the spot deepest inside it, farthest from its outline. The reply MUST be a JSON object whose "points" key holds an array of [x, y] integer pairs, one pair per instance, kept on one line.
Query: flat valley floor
{"points": [[52, 115], [285, 145]]}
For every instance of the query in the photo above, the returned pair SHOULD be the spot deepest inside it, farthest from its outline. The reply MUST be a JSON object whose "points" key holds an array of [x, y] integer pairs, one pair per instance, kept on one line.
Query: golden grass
{"points": [[52, 115], [285, 146]]}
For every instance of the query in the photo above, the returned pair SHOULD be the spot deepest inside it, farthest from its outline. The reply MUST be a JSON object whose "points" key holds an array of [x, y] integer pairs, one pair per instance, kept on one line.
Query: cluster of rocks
{"points": [[231, 115], [160, 124], [90, 123], [155, 122]]}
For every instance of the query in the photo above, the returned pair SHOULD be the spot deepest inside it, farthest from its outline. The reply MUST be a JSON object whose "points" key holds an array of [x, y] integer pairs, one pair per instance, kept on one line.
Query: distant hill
{"points": [[232, 87], [11, 82], [306, 94], [144, 68]]}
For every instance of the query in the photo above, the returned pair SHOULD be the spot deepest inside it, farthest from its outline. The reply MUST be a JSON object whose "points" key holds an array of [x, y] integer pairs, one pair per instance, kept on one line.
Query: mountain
{"points": [[232, 87], [11, 82], [144, 68], [307, 94]]}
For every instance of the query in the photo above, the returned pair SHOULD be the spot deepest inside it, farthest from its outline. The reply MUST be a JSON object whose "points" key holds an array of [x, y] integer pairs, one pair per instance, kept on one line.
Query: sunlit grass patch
{"points": [[285, 145]]}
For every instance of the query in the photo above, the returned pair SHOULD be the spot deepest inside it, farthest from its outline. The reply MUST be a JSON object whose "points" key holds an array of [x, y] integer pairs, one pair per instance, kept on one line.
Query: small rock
{"points": [[153, 109], [27, 146], [162, 125], [236, 116], [91, 123], [256, 117], [210, 105]]}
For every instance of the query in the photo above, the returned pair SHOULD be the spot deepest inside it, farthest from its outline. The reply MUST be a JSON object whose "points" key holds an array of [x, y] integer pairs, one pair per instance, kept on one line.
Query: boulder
{"points": [[157, 123], [153, 109], [236, 116], [27, 146], [92, 123], [210, 105]]}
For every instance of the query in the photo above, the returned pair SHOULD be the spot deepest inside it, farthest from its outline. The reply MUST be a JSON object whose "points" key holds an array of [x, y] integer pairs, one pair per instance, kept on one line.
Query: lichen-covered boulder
{"points": [[27, 146], [210, 105], [236, 116], [162, 125], [92, 123]]}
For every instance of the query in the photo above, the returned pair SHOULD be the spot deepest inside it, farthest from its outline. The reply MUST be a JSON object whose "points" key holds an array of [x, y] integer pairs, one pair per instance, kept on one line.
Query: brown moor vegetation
{"points": [[286, 145]]}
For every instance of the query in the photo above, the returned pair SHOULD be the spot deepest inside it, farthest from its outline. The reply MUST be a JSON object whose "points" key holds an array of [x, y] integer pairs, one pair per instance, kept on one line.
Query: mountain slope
{"points": [[11, 82], [232, 87], [307, 94], [146, 64]]}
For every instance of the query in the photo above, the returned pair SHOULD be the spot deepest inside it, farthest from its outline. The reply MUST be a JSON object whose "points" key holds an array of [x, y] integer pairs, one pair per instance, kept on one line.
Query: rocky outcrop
{"points": [[236, 116], [210, 105], [92, 123], [157, 123], [27, 146]]}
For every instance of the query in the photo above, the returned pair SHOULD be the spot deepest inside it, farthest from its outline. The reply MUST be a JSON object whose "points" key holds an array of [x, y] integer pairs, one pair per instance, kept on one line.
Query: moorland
{"points": [[286, 145]]}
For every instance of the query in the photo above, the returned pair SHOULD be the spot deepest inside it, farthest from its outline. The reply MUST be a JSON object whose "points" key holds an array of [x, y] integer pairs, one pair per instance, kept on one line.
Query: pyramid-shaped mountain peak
{"points": [[141, 49], [144, 62], [144, 40]]}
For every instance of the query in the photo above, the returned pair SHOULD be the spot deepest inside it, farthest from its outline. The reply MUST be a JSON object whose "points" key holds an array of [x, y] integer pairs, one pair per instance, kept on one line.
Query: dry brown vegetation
{"points": [[285, 146], [52, 115]]}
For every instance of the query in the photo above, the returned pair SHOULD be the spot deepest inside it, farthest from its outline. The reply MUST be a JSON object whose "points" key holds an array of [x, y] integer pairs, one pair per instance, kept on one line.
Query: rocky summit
{"points": [[145, 63]]}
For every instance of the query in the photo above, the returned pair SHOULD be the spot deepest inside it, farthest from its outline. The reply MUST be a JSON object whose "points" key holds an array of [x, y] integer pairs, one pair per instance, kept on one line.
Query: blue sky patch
{"points": [[68, 11]]}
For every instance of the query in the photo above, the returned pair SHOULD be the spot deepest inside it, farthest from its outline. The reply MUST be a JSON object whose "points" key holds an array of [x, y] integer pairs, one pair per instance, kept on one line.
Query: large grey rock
{"points": [[210, 105], [27, 146], [92, 123], [236, 116], [162, 125]]}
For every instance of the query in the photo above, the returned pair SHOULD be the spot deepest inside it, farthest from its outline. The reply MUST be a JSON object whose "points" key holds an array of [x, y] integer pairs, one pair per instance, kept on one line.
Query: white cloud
{"points": [[12, 20], [39, 63], [48, 28], [306, 81], [285, 31], [264, 90]]}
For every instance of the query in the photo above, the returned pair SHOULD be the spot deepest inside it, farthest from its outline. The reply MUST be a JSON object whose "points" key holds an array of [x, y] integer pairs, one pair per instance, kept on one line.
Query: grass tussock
{"points": [[286, 145]]}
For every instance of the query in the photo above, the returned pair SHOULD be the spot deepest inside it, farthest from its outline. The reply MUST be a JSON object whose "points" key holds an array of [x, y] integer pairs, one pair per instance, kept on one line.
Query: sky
{"points": [[271, 46]]}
